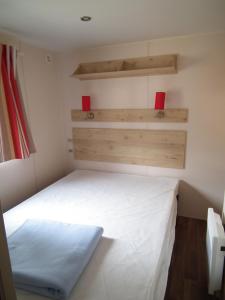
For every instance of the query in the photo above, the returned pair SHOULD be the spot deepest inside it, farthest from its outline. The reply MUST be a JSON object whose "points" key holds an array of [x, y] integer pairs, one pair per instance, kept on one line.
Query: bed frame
{"points": [[215, 243], [7, 290]]}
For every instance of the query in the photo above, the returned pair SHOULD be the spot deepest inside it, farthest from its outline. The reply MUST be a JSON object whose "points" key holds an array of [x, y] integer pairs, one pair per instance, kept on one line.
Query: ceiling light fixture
{"points": [[85, 18]]}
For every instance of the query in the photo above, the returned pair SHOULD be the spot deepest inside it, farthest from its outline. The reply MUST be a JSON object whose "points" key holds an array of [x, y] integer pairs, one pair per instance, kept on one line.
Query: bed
{"points": [[138, 214]]}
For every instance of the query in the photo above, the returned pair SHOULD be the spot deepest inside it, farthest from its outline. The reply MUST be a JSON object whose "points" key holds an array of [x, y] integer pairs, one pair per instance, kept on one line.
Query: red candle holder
{"points": [[86, 103], [160, 100]]}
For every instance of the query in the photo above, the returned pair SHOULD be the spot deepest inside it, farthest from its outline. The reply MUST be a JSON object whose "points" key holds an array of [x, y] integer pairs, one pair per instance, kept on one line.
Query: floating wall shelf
{"points": [[142, 66], [131, 115]]}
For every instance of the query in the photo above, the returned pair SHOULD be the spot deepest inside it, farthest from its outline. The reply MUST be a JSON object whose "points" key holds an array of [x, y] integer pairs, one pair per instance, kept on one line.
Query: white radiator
{"points": [[215, 242]]}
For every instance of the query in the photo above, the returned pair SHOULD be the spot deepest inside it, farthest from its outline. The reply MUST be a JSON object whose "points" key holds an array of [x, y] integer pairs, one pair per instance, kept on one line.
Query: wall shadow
{"points": [[200, 200]]}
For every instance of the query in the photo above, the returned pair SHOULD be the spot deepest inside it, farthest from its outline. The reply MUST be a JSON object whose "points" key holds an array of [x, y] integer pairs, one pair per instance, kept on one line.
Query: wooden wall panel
{"points": [[131, 115], [162, 148], [7, 291]]}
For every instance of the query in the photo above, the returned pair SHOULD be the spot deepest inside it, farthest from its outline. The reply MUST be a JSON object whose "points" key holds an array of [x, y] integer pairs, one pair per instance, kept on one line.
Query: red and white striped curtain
{"points": [[15, 138]]}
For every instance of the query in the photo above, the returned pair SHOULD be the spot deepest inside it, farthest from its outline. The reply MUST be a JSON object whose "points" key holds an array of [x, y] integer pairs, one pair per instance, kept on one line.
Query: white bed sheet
{"points": [[138, 214]]}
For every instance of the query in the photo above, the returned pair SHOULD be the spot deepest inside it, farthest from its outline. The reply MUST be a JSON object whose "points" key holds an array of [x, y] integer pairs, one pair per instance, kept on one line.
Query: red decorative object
{"points": [[160, 100], [86, 103]]}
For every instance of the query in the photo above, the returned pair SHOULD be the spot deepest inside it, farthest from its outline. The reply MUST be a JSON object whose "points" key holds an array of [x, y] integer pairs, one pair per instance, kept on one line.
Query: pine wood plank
{"points": [[140, 66], [131, 115], [163, 148]]}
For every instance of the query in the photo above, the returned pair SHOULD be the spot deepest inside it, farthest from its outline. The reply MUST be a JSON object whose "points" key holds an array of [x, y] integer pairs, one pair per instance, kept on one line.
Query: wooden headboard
{"points": [[161, 148]]}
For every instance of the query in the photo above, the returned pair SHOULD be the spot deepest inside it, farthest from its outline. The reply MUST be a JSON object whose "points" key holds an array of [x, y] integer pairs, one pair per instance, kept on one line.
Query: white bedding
{"points": [[138, 215]]}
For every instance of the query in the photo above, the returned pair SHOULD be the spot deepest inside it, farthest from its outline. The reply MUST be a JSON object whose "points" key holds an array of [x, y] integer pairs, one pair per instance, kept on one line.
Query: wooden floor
{"points": [[188, 271]]}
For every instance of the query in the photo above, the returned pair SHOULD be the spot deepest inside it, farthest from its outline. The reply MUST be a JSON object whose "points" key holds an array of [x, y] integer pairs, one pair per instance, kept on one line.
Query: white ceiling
{"points": [[55, 24]]}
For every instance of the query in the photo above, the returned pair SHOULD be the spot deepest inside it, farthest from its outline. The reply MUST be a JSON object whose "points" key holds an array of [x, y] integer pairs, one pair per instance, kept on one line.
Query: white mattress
{"points": [[138, 215]]}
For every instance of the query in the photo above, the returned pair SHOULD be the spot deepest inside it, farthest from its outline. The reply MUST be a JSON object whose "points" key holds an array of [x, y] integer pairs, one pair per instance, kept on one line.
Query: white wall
{"points": [[198, 86], [41, 90]]}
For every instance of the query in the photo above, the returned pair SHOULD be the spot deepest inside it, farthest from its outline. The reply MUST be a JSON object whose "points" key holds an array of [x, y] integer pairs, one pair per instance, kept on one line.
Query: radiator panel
{"points": [[215, 240]]}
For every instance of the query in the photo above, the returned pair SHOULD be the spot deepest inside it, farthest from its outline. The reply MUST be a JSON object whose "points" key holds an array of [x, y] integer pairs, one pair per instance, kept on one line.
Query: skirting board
{"points": [[161, 148], [131, 115]]}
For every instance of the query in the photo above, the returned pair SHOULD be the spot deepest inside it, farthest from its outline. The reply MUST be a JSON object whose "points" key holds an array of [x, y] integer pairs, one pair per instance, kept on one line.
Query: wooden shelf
{"points": [[141, 66], [131, 115]]}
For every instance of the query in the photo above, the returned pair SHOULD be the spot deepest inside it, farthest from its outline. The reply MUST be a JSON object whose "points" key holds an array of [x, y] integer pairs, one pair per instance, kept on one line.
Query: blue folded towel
{"points": [[48, 257]]}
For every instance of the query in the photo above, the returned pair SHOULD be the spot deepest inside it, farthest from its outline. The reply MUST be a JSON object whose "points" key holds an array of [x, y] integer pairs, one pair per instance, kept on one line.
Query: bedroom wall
{"points": [[40, 87], [198, 86]]}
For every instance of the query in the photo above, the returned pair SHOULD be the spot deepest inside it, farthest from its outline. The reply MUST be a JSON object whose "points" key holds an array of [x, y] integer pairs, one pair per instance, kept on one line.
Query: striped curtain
{"points": [[15, 138]]}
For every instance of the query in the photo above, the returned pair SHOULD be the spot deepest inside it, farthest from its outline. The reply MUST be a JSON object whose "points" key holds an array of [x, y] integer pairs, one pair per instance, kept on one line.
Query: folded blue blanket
{"points": [[48, 257]]}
